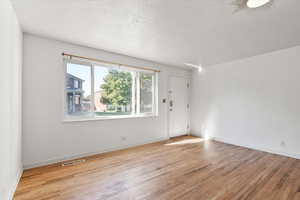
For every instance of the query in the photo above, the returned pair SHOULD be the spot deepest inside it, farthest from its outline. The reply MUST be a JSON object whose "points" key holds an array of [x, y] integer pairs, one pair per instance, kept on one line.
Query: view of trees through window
{"points": [[109, 92], [115, 93]]}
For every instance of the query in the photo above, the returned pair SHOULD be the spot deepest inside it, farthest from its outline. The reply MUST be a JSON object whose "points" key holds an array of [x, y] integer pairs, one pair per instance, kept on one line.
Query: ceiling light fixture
{"points": [[257, 3], [199, 67]]}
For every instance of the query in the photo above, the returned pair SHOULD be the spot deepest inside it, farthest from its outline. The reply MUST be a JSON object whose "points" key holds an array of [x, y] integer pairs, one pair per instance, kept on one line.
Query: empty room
{"points": [[150, 100]]}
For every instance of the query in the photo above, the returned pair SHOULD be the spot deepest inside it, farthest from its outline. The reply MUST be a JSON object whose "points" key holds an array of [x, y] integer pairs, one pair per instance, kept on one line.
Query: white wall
{"points": [[10, 103], [46, 138], [254, 102]]}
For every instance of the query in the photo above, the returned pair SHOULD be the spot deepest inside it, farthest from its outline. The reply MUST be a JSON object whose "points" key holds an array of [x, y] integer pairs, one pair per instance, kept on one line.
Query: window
{"points": [[76, 83], [78, 90], [146, 92], [113, 91], [101, 91]]}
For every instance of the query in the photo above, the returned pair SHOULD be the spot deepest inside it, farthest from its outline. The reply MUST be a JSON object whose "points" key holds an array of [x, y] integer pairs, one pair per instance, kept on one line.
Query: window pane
{"points": [[146, 92], [78, 90], [113, 91]]}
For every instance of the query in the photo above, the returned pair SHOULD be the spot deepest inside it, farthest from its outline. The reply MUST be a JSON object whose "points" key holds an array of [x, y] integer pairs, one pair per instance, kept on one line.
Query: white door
{"points": [[178, 106]]}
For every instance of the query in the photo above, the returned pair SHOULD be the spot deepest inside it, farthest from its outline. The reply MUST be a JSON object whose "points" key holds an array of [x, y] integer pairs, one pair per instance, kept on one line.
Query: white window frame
{"points": [[154, 93], [135, 94]]}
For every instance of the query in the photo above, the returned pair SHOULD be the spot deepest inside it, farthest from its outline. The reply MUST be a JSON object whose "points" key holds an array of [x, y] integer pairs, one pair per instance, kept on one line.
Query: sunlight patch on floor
{"points": [[186, 141]]}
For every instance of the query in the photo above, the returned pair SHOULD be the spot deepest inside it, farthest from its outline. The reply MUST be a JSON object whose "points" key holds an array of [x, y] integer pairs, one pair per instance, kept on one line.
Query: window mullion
{"points": [[156, 94], [92, 90], [133, 92], [153, 94], [138, 95]]}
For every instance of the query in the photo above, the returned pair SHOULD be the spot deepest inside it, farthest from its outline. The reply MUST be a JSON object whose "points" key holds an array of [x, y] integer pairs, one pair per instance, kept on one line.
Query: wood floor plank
{"points": [[181, 168]]}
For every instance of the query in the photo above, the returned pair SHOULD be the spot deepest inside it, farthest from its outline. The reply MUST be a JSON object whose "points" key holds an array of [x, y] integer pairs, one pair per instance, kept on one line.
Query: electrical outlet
{"points": [[123, 138], [282, 143]]}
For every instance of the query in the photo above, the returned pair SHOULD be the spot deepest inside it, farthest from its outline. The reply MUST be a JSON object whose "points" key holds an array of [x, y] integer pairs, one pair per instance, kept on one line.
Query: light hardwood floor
{"points": [[181, 168]]}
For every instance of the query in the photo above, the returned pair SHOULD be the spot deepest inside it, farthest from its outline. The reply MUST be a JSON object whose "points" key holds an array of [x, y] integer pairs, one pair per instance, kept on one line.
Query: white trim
{"points": [[156, 88], [153, 94], [259, 148], [138, 95], [133, 93], [71, 157], [154, 85], [189, 108], [64, 83], [15, 184], [168, 104], [95, 118], [93, 89]]}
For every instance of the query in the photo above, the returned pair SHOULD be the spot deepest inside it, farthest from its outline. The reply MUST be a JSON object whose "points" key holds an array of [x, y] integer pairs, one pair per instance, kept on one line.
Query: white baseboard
{"points": [[15, 184], [71, 157], [251, 146]]}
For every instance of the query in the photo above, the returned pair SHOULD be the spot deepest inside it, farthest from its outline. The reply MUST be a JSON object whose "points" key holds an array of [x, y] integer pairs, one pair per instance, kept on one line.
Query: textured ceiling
{"points": [[172, 32]]}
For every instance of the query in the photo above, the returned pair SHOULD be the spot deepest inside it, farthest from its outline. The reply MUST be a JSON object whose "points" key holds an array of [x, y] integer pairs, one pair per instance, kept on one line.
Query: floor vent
{"points": [[73, 162]]}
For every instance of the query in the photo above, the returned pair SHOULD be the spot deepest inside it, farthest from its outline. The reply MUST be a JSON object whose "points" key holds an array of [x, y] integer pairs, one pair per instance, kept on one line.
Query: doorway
{"points": [[178, 106]]}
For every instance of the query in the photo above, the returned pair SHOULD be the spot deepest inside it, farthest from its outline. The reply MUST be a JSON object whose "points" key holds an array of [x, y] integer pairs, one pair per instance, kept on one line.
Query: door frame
{"points": [[188, 78]]}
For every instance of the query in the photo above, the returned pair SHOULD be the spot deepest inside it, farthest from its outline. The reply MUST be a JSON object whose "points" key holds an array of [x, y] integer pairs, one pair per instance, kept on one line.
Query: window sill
{"points": [[75, 119]]}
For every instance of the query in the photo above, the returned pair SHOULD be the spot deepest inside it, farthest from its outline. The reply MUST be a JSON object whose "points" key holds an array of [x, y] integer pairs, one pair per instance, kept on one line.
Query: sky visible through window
{"points": [[84, 72], [99, 73]]}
